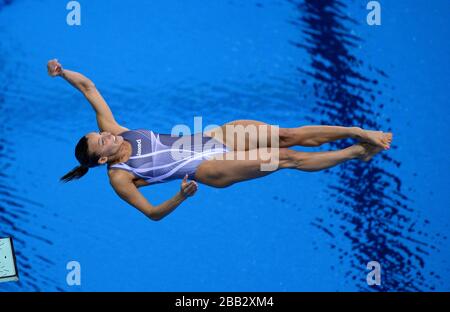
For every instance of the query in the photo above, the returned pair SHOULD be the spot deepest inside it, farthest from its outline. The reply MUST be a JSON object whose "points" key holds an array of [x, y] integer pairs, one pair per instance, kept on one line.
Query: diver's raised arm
{"points": [[104, 115]]}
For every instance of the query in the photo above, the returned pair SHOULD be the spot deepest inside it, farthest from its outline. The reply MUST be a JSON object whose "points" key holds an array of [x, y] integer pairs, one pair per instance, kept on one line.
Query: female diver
{"points": [[136, 158]]}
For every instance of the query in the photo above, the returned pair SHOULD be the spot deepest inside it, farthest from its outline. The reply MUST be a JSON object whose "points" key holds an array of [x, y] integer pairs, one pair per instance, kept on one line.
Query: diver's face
{"points": [[104, 144]]}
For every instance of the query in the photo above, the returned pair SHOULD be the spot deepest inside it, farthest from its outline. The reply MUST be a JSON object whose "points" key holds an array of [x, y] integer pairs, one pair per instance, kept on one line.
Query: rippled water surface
{"points": [[289, 63]]}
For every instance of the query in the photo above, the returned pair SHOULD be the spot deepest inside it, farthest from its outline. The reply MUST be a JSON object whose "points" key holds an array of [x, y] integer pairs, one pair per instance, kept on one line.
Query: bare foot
{"points": [[388, 138], [369, 151], [378, 138]]}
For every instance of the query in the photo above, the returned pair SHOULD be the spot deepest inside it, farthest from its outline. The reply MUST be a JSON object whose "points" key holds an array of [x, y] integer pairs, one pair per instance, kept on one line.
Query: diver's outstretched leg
{"points": [[318, 135], [224, 172], [254, 133]]}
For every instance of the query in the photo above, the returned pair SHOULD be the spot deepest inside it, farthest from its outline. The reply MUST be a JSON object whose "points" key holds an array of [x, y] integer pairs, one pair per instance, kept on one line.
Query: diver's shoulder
{"points": [[119, 175]]}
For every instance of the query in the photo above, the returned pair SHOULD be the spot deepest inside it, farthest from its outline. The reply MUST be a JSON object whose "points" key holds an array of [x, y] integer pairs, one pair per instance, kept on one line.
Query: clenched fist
{"points": [[188, 188], [54, 68]]}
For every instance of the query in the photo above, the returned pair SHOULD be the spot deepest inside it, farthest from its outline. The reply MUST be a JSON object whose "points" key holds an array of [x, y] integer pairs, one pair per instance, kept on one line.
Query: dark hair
{"points": [[85, 159]]}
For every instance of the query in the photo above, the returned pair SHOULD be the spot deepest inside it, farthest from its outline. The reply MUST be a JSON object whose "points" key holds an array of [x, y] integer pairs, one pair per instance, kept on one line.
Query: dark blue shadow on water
{"points": [[368, 207]]}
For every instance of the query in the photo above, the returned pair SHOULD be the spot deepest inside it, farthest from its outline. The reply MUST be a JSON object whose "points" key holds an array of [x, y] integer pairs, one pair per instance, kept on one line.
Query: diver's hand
{"points": [[54, 68], [188, 188]]}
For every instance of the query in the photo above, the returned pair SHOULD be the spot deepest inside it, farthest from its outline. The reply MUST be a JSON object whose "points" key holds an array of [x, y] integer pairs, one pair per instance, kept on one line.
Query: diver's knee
{"points": [[222, 183]]}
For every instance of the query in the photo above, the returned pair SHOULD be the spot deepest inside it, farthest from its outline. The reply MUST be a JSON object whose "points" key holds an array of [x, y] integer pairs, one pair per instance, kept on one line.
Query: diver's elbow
{"points": [[88, 86], [154, 217]]}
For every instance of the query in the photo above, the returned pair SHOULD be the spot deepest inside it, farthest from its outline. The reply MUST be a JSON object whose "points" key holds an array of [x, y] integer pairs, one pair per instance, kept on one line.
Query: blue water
{"points": [[290, 63]]}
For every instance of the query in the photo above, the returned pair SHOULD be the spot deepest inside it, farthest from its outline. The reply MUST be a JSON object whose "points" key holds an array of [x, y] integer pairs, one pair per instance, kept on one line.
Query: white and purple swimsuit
{"points": [[159, 158]]}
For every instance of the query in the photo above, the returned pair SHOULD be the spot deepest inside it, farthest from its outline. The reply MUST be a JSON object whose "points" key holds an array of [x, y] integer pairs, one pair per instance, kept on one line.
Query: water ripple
{"points": [[376, 216]]}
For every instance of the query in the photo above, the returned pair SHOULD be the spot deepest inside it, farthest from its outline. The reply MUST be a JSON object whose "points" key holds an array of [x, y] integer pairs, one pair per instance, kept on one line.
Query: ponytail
{"points": [[86, 160], [75, 173]]}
